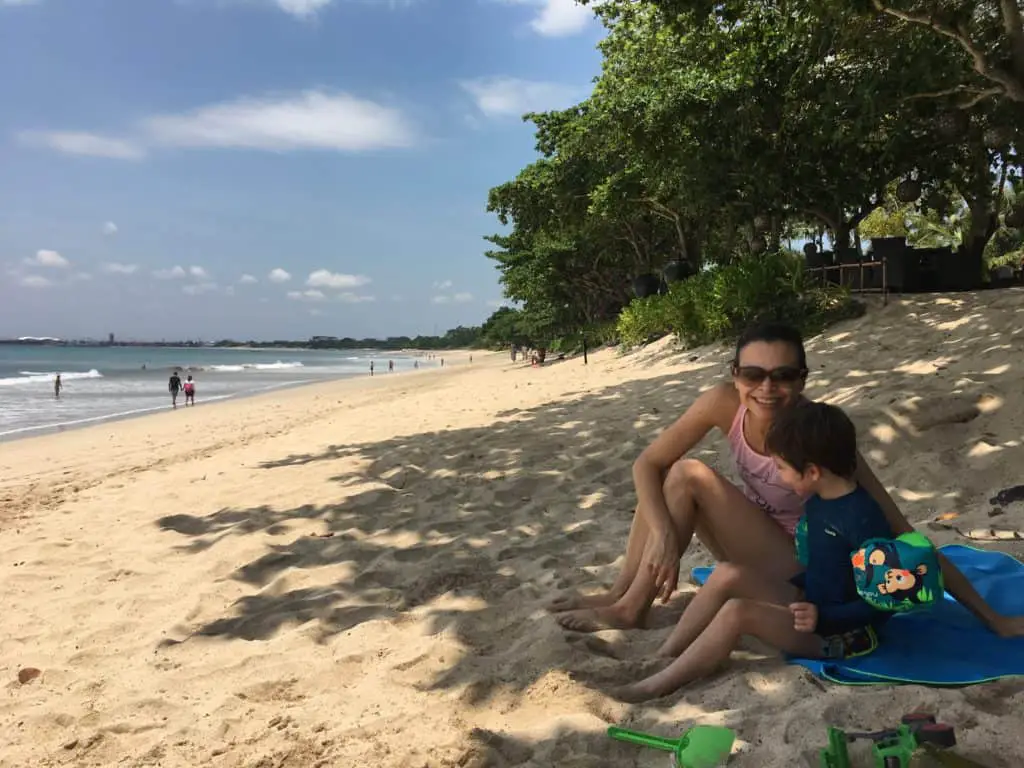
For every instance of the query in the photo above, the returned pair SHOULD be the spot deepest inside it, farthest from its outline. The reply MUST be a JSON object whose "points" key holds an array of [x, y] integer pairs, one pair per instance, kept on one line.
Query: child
{"points": [[190, 391], [816, 614]]}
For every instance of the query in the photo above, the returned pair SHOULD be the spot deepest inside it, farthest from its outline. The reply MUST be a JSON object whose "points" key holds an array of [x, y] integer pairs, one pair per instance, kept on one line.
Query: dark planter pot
{"points": [[675, 271], [902, 268], [646, 285], [885, 247], [960, 271]]}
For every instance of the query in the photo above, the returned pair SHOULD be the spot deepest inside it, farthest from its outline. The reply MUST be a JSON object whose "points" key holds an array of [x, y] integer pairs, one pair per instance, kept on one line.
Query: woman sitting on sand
{"points": [[752, 526]]}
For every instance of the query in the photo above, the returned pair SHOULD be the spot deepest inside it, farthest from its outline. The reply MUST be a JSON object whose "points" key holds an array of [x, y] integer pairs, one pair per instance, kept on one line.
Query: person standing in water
{"points": [[57, 387], [174, 387], [190, 391]]}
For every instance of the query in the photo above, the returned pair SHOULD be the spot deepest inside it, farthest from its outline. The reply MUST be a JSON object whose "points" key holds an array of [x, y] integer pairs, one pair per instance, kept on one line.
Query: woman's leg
{"points": [[634, 552], [727, 582], [733, 527], [769, 622]]}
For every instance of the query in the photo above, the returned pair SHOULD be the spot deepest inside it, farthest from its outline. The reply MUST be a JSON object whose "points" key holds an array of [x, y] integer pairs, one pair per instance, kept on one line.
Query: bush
{"points": [[719, 303]]}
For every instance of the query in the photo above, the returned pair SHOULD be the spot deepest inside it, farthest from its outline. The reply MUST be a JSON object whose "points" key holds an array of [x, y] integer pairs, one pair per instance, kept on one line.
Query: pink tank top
{"points": [[761, 481]]}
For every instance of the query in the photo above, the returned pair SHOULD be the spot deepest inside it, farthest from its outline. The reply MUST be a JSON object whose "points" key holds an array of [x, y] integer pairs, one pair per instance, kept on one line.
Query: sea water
{"points": [[101, 383]]}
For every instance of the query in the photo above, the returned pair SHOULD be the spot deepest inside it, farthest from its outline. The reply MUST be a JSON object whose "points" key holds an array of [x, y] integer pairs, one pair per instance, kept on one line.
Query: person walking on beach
{"points": [[371, 367], [391, 366], [174, 387], [57, 387], [190, 391]]}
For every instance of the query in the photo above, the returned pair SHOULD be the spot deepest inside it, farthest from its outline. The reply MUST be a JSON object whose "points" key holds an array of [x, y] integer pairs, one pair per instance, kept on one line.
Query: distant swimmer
{"points": [[174, 387], [190, 391], [57, 387]]}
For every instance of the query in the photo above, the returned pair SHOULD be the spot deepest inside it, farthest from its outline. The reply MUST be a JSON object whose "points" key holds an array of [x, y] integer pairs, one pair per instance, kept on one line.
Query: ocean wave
{"points": [[237, 368], [41, 377]]}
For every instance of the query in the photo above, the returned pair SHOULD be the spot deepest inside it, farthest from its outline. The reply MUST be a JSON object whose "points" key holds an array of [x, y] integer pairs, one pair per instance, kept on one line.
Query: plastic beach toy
{"points": [[703, 746]]}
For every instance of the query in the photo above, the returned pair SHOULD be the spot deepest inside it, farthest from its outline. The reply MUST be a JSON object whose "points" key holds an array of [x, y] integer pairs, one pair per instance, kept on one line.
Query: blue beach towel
{"points": [[944, 645]]}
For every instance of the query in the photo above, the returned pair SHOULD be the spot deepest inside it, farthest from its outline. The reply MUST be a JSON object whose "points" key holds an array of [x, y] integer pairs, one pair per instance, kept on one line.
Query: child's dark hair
{"points": [[772, 331], [814, 433]]}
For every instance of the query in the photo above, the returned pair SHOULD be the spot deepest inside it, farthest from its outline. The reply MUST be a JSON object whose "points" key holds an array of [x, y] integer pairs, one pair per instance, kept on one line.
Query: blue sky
{"points": [[266, 168]]}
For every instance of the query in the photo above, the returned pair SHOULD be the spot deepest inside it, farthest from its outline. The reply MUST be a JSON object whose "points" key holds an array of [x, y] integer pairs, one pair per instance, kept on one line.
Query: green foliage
{"points": [[719, 303]]}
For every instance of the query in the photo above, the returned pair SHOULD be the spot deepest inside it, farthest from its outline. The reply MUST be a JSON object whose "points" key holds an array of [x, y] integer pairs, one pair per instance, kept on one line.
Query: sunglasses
{"points": [[755, 374]]}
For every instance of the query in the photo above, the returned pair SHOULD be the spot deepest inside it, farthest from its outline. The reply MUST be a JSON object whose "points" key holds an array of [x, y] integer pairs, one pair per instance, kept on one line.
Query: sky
{"points": [[267, 169]]}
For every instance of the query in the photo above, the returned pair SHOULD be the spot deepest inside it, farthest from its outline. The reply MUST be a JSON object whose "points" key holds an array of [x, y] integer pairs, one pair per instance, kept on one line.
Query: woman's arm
{"points": [[956, 583], [709, 410], [651, 466]]}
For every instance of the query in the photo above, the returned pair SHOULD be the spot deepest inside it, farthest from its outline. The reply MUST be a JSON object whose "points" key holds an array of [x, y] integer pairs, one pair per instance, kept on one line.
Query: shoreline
{"points": [[24, 433]]}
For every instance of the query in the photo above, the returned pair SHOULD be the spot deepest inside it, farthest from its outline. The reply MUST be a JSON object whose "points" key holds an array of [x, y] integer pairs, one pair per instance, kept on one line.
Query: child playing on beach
{"points": [[818, 613], [190, 391]]}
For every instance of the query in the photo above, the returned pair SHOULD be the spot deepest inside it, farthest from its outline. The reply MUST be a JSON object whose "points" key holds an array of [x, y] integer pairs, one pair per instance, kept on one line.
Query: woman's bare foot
{"points": [[565, 603], [635, 693], [596, 619]]}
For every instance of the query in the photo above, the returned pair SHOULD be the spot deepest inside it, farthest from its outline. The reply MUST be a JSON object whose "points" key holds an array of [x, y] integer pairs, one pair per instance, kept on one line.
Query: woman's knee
{"points": [[686, 477]]}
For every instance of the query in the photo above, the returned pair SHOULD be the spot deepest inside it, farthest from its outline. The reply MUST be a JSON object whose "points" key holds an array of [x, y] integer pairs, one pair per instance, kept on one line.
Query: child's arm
{"points": [[828, 576]]}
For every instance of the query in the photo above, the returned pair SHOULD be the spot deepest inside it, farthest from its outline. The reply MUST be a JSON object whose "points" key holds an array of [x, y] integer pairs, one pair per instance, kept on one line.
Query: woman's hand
{"points": [[663, 561], [1008, 626]]}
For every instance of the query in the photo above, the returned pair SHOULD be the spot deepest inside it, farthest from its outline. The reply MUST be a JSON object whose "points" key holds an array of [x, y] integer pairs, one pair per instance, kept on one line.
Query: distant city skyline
{"points": [[335, 184]]}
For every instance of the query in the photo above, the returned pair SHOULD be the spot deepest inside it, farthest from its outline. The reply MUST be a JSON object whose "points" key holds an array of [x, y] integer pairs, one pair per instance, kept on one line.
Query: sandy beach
{"points": [[354, 573]]}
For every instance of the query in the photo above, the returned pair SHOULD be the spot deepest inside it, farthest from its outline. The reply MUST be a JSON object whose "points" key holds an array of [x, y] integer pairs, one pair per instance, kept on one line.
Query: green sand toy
{"points": [[703, 746]]}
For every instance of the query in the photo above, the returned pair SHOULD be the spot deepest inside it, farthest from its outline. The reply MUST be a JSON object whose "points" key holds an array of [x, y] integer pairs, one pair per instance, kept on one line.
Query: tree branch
{"points": [[1011, 86], [977, 95], [1014, 26]]}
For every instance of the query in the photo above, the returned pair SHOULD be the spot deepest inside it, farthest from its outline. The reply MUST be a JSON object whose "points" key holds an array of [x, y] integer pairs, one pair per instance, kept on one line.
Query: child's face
{"points": [[802, 483]]}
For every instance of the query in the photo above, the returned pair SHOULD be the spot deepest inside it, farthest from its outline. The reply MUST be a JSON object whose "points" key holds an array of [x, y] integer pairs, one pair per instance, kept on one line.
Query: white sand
{"points": [[353, 574]]}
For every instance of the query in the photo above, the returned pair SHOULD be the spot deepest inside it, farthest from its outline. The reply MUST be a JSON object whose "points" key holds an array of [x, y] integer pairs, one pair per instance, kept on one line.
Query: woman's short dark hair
{"points": [[814, 433], [771, 332]]}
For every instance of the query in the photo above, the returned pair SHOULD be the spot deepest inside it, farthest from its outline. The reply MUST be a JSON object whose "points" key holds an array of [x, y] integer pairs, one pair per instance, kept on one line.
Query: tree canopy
{"points": [[719, 130]]}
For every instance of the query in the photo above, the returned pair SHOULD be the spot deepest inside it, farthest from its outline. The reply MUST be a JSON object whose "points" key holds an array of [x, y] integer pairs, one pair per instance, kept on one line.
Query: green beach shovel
{"points": [[703, 746]]}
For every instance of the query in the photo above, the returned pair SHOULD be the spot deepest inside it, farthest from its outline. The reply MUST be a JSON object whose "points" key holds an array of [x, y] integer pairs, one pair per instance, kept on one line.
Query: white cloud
{"points": [[19, 2], [198, 272], [310, 295], [443, 285], [229, 291], [110, 228], [511, 97], [278, 275], [198, 288], [558, 18], [83, 143], [81, 277], [354, 298], [174, 273], [247, 280], [311, 120], [456, 298], [35, 281], [114, 268], [321, 278], [46, 258], [302, 8], [498, 303]]}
